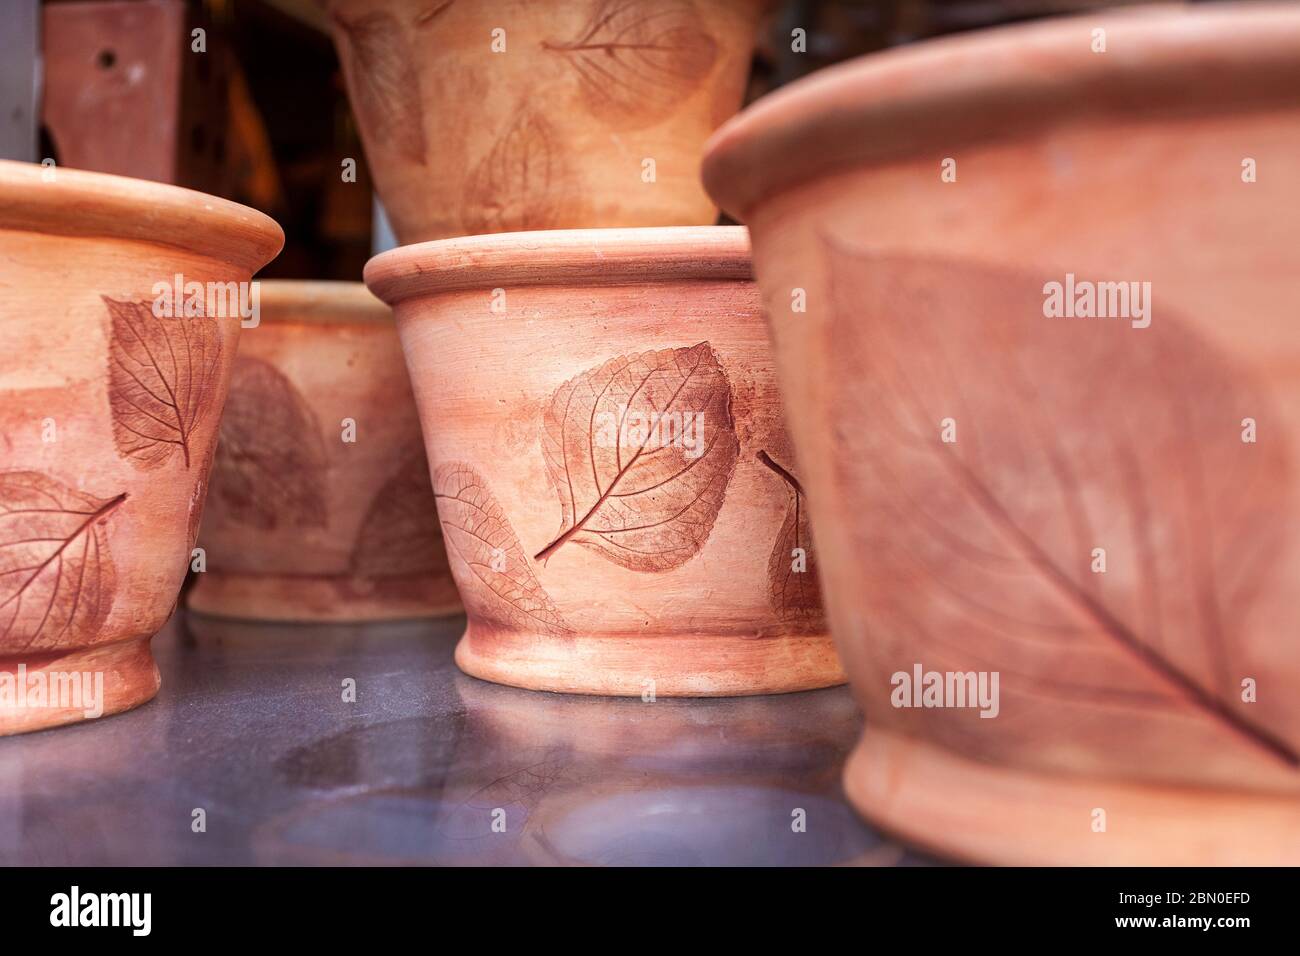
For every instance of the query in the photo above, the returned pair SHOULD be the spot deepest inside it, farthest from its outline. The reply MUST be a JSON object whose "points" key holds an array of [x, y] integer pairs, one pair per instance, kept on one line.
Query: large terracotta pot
{"points": [[1102, 511], [321, 508], [596, 552], [594, 114], [109, 408]]}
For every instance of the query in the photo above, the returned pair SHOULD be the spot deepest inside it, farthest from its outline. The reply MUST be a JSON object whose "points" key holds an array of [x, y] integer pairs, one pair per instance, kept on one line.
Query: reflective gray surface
{"points": [[427, 766]]}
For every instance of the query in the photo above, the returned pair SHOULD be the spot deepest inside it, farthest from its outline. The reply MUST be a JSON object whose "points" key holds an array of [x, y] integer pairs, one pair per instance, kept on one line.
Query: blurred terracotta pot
{"points": [[615, 486], [1047, 397], [321, 508], [515, 114], [110, 396]]}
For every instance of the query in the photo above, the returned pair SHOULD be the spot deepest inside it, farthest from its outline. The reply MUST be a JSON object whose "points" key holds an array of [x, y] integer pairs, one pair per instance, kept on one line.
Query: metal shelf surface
{"points": [[428, 766]]}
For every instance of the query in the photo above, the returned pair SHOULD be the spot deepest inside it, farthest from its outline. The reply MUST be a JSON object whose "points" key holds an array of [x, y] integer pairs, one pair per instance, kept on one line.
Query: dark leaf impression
{"points": [[495, 579], [1071, 435], [794, 594], [518, 184], [399, 535], [381, 59], [270, 468], [162, 373], [637, 61], [627, 492], [56, 574]]}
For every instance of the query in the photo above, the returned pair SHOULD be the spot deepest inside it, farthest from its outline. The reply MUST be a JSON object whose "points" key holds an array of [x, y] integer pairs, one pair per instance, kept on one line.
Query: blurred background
{"points": [[263, 117]]}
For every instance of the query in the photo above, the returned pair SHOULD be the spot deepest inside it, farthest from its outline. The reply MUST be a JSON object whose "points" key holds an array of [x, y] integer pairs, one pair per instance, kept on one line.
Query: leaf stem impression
{"points": [[766, 459]]}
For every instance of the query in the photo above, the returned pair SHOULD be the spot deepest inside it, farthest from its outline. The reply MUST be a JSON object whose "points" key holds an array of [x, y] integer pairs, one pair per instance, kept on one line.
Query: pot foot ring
{"points": [[41, 690], [272, 597], [669, 665], [977, 812]]}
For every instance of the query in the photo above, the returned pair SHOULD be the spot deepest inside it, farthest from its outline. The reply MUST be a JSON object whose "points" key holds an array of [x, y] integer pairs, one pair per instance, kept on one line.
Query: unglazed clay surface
{"points": [[1101, 510], [109, 407], [596, 553], [483, 117], [310, 517]]}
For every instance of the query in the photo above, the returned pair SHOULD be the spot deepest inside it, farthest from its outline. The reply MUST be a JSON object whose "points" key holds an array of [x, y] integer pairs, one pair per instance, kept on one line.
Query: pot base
{"points": [[325, 598], [618, 665], [130, 678], [972, 811]]}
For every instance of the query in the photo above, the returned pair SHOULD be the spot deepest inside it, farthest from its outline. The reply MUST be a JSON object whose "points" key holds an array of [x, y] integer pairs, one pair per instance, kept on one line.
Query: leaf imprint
{"points": [[400, 535], [270, 466], [495, 579], [637, 62], [794, 594], [385, 79], [519, 184], [161, 376], [1071, 435], [56, 574], [640, 451]]}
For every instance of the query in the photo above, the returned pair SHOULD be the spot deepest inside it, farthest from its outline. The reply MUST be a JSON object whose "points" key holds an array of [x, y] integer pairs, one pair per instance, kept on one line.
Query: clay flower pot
{"points": [[616, 490], [321, 508], [1086, 490], [502, 115], [110, 400]]}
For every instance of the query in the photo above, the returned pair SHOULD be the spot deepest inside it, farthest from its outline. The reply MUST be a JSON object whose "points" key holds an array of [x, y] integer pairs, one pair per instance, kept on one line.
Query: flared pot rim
{"points": [[935, 97], [562, 257], [58, 200]]}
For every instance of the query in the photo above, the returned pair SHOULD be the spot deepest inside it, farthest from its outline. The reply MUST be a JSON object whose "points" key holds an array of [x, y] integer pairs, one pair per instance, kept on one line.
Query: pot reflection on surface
{"points": [[263, 736]]}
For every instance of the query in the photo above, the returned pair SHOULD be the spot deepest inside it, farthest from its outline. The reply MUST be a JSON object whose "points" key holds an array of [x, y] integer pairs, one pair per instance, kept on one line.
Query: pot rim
{"points": [[1003, 83], [82, 203], [562, 257], [320, 302]]}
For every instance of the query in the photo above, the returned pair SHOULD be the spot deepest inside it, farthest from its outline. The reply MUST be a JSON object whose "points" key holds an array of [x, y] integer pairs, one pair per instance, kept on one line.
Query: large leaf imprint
{"points": [[1071, 435], [626, 491], [794, 594], [56, 574], [520, 183], [637, 61], [162, 373], [495, 579], [270, 466], [399, 535], [387, 84]]}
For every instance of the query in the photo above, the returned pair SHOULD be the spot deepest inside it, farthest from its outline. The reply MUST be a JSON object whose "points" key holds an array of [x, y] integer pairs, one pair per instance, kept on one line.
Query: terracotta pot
{"points": [[562, 129], [596, 551], [108, 415], [321, 508], [1102, 511]]}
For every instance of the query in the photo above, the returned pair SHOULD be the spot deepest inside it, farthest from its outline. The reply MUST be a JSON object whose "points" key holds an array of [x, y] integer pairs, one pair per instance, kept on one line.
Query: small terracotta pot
{"points": [[1102, 511], [594, 114], [597, 550], [321, 508], [108, 415]]}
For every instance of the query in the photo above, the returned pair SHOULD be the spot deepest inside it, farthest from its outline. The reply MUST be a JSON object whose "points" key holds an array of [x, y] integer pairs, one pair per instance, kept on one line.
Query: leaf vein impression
{"points": [[551, 548]]}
